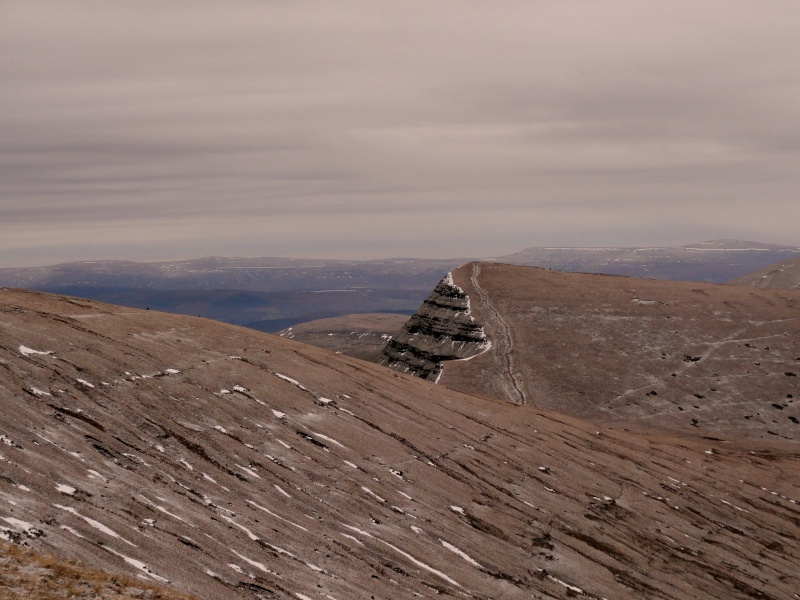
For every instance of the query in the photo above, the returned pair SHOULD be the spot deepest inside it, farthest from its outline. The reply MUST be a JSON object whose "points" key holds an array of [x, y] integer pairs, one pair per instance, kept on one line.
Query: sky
{"points": [[361, 129]]}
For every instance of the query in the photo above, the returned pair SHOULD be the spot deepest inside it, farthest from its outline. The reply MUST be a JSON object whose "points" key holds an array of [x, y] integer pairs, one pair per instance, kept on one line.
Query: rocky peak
{"points": [[442, 329]]}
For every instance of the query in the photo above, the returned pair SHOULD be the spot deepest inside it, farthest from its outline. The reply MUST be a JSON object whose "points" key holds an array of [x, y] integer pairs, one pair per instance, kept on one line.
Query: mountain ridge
{"points": [[699, 359]]}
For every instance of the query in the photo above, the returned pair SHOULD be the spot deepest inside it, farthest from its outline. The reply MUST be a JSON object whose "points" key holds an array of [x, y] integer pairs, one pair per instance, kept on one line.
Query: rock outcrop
{"points": [[442, 329]]}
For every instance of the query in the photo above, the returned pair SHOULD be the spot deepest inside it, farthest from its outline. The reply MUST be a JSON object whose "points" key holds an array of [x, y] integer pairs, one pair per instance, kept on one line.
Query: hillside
{"points": [[228, 463], [783, 275], [699, 359]]}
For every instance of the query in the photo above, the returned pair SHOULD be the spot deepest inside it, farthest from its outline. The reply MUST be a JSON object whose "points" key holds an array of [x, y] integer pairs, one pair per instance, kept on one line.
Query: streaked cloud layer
{"points": [[148, 130]]}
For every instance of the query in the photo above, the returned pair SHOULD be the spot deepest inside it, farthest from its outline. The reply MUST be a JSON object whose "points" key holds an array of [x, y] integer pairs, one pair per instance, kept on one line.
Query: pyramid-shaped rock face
{"points": [[232, 464], [442, 329]]}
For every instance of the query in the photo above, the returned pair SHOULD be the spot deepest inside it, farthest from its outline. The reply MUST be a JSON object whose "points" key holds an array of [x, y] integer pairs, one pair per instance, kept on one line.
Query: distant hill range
{"points": [[784, 275], [715, 261], [270, 294], [267, 294]]}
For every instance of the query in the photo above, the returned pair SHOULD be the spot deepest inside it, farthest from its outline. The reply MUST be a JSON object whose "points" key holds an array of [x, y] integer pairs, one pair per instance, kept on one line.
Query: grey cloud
{"points": [[318, 125]]}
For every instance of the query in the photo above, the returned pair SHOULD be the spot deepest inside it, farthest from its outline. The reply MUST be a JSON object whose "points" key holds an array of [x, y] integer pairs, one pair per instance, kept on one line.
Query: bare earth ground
{"points": [[231, 464], [360, 335], [697, 359]]}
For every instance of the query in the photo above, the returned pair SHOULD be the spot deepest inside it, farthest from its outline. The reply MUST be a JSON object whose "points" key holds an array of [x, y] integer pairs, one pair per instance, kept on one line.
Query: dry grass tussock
{"points": [[28, 574]]}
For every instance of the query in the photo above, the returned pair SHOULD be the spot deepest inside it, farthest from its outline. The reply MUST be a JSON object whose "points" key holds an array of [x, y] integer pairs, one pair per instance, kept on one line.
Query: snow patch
{"points": [[72, 531], [282, 491], [460, 553], [294, 382], [277, 516], [23, 526], [572, 588], [350, 537], [95, 475], [417, 562], [249, 471], [66, 489], [253, 537], [138, 564], [26, 351], [96, 524], [373, 494], [329, 439]]}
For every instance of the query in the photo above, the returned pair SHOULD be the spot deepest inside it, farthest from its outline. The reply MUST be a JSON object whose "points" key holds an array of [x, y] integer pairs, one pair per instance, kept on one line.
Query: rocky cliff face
{"points": [[442, 329]]}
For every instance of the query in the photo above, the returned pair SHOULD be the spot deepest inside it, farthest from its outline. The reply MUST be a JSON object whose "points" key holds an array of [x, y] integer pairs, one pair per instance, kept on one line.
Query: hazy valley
{"points": [[271, 294]]}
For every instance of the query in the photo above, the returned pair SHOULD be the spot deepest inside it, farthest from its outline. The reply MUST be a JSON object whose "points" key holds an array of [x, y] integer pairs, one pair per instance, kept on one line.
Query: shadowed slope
{"points": [[703, 359], [229, 463]]}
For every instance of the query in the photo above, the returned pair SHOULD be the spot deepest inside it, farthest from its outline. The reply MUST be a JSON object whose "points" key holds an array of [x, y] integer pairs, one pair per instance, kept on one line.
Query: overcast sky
{"points": [[158, 130]]}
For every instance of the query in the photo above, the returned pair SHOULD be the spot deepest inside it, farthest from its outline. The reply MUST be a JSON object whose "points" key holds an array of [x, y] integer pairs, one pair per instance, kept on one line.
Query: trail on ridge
{"points": [[505, 342]]}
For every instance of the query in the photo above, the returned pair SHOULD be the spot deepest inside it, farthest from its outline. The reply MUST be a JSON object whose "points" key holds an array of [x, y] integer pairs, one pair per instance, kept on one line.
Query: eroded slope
{"points": [[228, 463]]}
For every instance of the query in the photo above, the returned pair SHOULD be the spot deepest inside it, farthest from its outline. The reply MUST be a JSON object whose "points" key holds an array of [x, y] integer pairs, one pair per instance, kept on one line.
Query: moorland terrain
{"points": [[223, 462], [716, 360]]}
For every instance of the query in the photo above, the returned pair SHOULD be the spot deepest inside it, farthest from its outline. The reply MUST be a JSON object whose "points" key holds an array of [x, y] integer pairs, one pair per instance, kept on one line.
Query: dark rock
{"points": [[442, 329]]}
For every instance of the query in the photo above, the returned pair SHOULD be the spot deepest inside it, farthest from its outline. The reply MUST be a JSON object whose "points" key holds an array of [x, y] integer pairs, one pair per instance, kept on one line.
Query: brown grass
{"points": [[25, 573]]}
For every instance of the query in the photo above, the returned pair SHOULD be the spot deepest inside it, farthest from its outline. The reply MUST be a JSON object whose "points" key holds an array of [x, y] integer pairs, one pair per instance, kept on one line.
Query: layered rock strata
{"points": [[442, 329]]}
